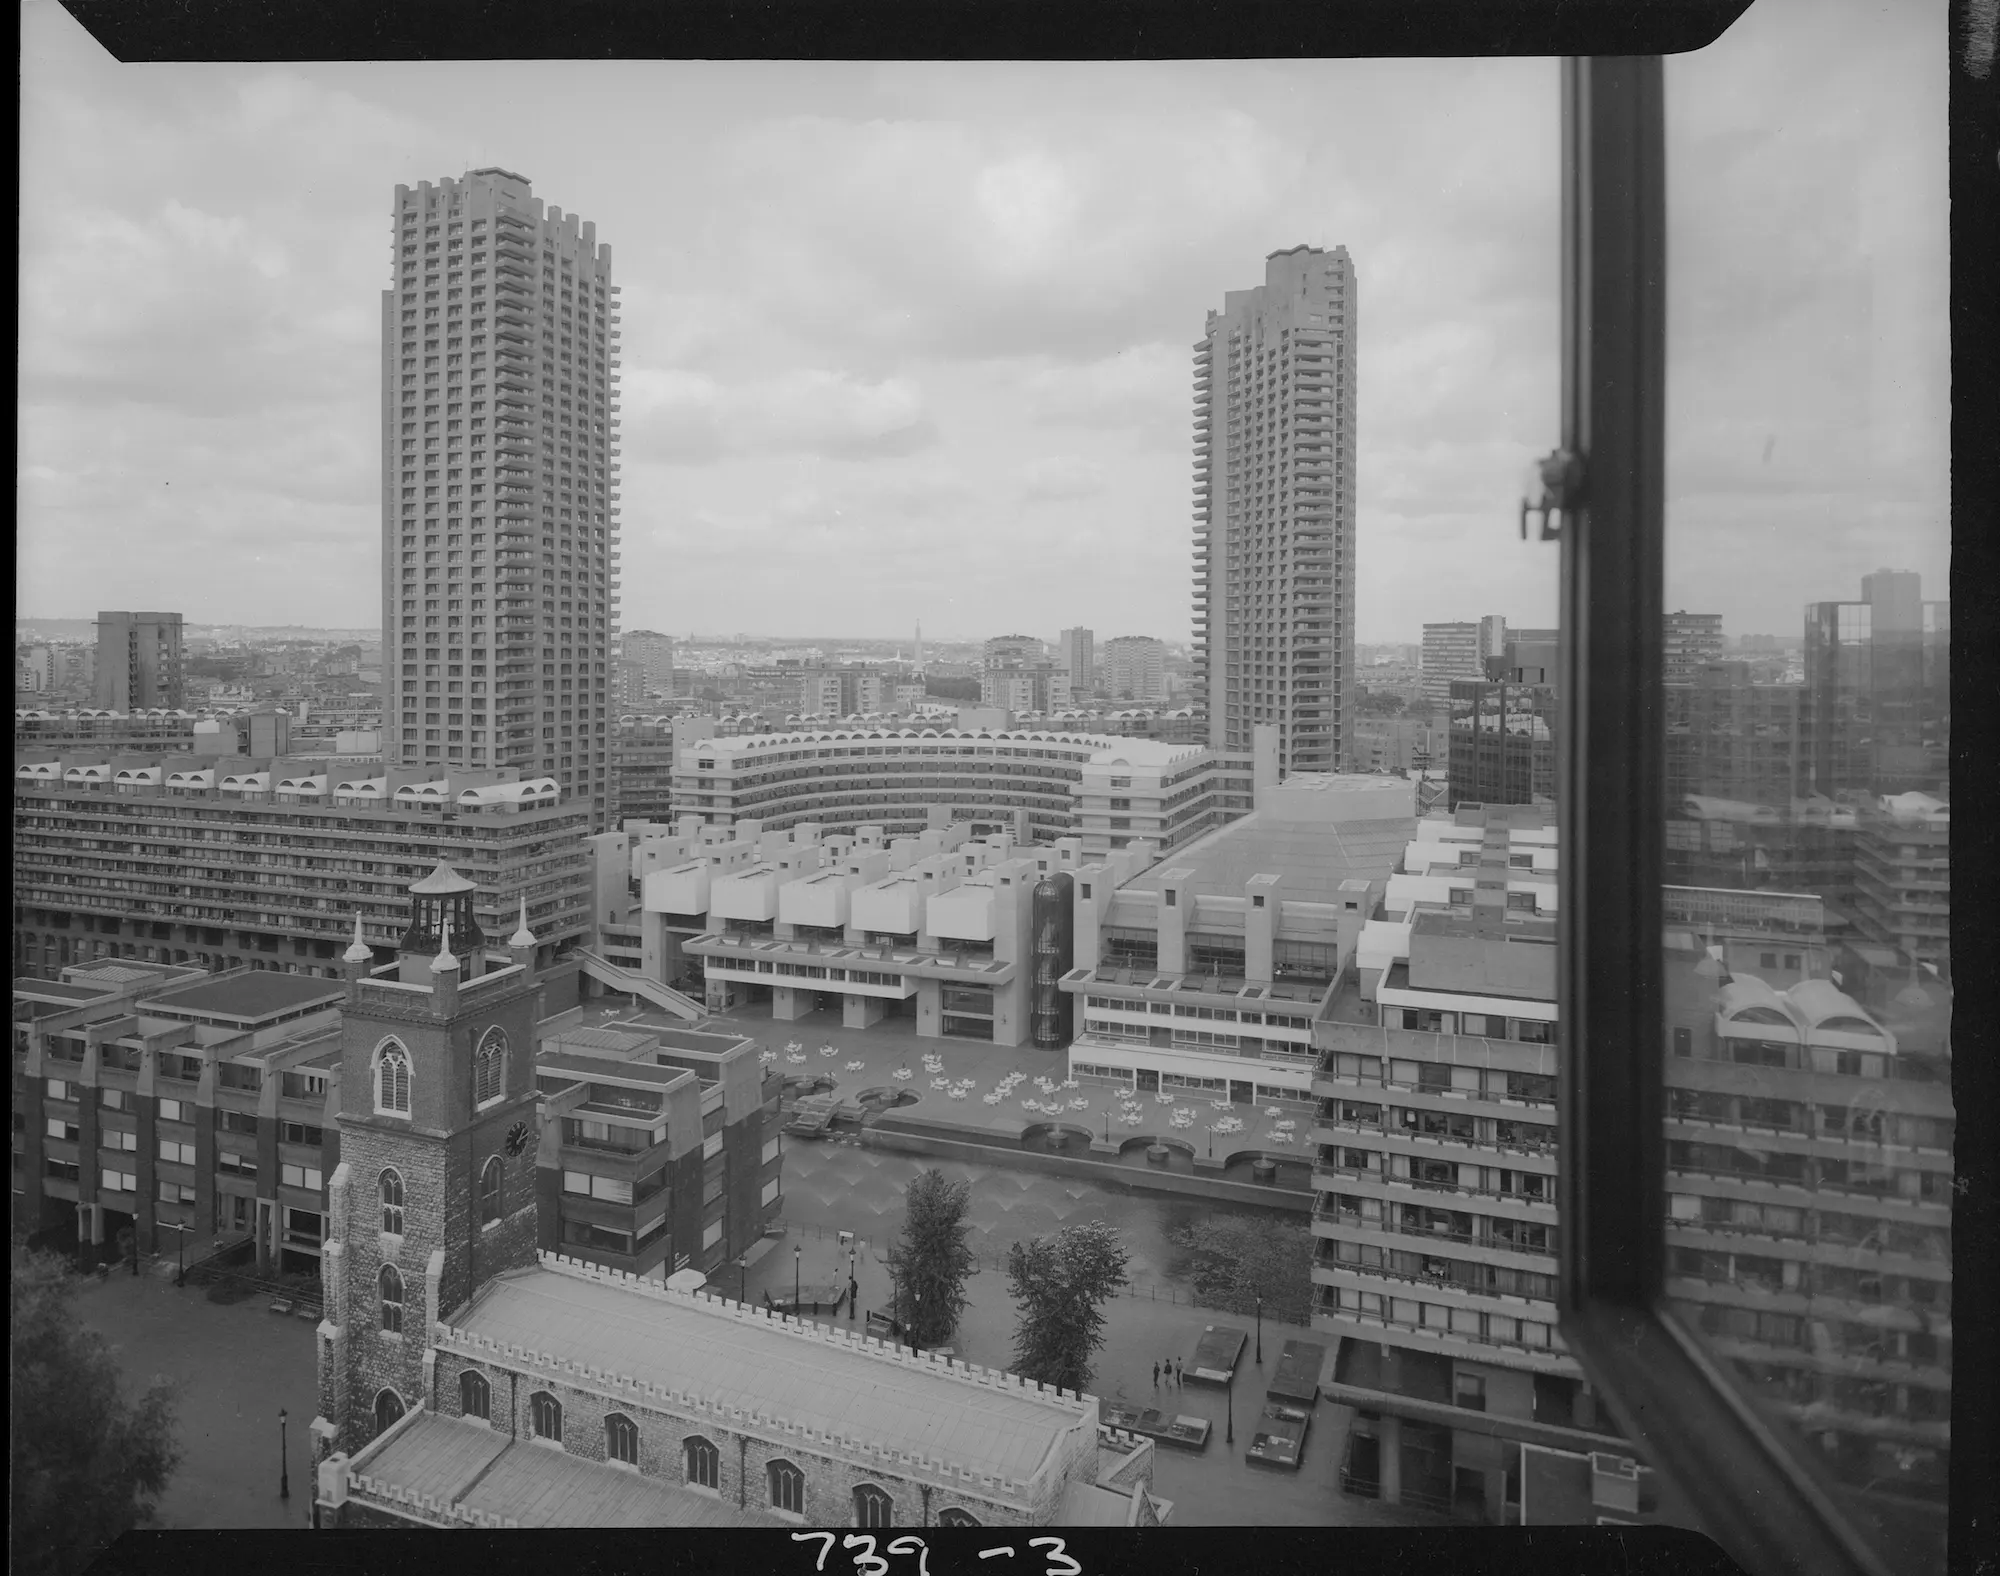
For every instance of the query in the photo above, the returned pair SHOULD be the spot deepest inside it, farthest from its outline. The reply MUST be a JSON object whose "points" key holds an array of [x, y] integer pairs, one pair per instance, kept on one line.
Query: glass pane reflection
{"points": [[1808, 995]]}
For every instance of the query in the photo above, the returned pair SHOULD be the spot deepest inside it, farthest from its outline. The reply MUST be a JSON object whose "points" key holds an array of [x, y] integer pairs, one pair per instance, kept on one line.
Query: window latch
{"points": [[1554, 486]]}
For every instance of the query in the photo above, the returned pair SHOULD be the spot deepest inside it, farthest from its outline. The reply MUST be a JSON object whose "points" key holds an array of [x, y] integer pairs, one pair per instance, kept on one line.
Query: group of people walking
{"points": [[1171, 1368]]}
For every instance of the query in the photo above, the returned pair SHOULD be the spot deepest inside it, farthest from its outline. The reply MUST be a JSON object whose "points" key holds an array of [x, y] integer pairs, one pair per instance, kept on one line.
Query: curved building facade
{"points": [[1038, 785]]}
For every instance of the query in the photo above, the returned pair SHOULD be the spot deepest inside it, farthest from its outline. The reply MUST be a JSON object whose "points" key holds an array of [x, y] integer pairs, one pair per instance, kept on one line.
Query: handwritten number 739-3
{"points": [[868, 1563]]}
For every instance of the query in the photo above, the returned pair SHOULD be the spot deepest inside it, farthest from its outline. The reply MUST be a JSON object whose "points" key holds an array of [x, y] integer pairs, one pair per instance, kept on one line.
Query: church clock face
{"points": [[517, 1138]]}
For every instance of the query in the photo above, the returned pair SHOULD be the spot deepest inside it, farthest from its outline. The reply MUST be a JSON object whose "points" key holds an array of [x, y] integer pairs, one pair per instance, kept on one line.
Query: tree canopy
{"points": [[1233, 1261], [1060, 1284], [932, 1259], [952, 689], [87, 1465]]}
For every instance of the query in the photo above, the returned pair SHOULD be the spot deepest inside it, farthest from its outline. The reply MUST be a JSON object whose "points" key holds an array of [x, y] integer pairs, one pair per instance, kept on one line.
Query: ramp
{"points": [[633, 983]]}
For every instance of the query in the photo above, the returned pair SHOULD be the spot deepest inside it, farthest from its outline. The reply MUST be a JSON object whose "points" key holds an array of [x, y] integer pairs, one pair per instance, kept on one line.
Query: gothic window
{"points": [[956, 1516], [475, 1394], [390, 1282], [704, 1463], [788, 1487], [872, 1506], [392, 1202], [545, 1417], [489, 1067], [392, 1079], [388, 1408], [621, 1439], [489, 1192]]}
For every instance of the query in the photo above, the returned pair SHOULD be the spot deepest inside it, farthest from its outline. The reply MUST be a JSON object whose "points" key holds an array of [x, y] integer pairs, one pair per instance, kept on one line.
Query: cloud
{"points": [[692, 418], [1065, 476]]}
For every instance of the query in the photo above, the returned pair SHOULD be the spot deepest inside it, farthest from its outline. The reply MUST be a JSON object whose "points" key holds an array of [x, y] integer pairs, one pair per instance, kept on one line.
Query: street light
{"points": [[180, 1248], [1260, 1332], [916, 1306], [742, 1280], [853, 1285], [1229, 1395], [284, 1460], [797, 1254]]}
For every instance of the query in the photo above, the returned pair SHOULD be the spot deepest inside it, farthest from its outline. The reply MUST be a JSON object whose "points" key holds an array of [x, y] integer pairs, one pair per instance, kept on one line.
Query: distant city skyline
{"points": [[880, 318]]}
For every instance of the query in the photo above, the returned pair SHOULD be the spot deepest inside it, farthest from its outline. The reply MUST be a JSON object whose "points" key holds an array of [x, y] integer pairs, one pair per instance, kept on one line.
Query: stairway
{"points": [[633, 983]]}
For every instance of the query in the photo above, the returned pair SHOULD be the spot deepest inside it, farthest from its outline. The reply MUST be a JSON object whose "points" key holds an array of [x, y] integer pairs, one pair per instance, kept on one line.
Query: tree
{"points": [[931, 1260], [86, 1465], [952, 689], [1233, 1261], [1059, 1284]]}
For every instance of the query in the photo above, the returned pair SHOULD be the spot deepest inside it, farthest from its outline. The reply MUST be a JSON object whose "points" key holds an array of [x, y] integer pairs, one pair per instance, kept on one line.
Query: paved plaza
{"points": [[235, 1365]]}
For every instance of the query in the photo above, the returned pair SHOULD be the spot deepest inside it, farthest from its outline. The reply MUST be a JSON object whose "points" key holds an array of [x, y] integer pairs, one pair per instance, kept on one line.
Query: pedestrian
{"points": [[1179, 1377], [1156, 1376]]}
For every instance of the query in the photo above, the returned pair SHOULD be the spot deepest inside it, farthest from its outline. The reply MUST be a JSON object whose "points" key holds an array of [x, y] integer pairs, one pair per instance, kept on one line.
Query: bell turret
{"points": [[441, 920]]}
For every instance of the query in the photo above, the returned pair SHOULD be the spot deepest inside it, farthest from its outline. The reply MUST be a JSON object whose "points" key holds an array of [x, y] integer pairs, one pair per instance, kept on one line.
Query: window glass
{"points": [[1808, 973]]}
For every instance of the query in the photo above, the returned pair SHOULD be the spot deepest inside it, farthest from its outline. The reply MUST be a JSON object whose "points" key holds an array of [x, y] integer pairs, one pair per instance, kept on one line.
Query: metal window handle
{"points": [[1554, 486]]}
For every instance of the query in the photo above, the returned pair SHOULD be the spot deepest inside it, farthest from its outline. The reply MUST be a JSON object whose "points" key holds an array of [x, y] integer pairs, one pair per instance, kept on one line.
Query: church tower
{"points": [[435, 1191]]}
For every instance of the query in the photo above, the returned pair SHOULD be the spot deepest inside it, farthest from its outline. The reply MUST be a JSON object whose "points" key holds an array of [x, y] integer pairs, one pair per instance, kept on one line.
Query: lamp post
{"points": [[798, 1253], [284, 1460], [180, 1248], [916, 1306], [742, 1280], [1229, 1400], [1260, 1332], [853, 1285]]}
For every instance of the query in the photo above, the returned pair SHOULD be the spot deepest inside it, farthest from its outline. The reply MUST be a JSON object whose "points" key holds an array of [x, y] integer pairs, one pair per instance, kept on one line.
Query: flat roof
{"points": [[592, 1068], [706, 1349], [1313, 857], [456, 1462], [260, 993], [58, 991], [671, 1036]]}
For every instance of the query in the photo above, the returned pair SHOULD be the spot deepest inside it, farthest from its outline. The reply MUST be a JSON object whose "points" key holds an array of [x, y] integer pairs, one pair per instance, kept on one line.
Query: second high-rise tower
{"points": [[1274, 510]]}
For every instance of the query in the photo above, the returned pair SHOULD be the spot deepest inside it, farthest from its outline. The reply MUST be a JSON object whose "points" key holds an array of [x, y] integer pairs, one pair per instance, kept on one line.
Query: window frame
{"points": [[492, 1192], [1662, 1387], [470, 1382], [792, 1472], [389, 1308], [392, 1049], [621, 1426], [538, 1401], [390, 1181], [870, 1495], [489, 1064], [696, 1447]]}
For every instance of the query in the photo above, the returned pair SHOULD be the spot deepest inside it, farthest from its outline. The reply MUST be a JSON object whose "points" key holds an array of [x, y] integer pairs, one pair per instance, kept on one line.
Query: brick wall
{"points": [[743, 1457]]}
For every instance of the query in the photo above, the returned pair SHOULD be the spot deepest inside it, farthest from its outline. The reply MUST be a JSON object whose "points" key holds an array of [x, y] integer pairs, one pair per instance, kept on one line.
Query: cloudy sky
{"points": [[914, 342]]}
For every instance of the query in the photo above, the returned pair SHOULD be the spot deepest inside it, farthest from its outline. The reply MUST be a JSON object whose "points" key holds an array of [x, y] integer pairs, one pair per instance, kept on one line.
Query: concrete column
{"points": [[1389, 1431], [1261, 896], [1176, 897], [788, 1003], [862, 1012]]}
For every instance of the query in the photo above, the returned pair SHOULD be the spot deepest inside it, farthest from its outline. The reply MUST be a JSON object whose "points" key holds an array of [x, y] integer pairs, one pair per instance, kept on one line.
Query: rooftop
{"points": [[710, 1351], [1313, 857], [250, 997], [459, 1463]]}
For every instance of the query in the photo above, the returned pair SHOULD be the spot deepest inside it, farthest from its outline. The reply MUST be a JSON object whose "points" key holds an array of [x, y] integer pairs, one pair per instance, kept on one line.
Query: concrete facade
{"points": [[486, 595]]}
